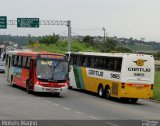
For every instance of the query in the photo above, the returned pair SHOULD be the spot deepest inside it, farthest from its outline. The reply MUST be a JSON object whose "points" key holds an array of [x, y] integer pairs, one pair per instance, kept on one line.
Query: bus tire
{"points": [[108, 93], [134, 100], [56, 94], [12, 82], [28, 88], [100, 91], [70, 87]]}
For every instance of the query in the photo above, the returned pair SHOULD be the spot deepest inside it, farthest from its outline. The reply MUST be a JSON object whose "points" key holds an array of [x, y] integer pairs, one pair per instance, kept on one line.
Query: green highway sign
{"points": [[3, 22], [28, 22]]}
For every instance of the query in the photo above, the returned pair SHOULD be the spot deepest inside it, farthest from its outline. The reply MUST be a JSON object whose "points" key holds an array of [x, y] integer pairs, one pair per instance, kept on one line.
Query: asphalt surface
{"points": [[16, 104]]}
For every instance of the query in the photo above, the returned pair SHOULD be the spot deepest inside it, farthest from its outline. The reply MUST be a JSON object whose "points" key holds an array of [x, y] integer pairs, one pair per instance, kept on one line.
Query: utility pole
{"points": [[104, 30], [69, 36]]}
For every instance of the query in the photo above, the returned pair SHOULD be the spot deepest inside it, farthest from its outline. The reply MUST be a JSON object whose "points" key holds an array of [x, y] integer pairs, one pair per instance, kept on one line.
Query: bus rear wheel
{"points": [[134, 100], [100, 91], [108, 93]]}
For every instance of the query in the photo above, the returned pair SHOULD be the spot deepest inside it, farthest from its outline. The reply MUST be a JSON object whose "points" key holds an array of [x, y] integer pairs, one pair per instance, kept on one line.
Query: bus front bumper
{"points": [[39, 88]]}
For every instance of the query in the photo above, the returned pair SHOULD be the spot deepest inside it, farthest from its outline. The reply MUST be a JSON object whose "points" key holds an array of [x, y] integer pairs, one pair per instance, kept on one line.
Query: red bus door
{"points": [[30, 82]]}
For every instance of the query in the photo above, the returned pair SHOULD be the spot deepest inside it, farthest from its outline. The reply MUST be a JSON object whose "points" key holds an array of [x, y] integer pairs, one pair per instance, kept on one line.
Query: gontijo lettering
{"points": [[96, 73], [139, 69]]}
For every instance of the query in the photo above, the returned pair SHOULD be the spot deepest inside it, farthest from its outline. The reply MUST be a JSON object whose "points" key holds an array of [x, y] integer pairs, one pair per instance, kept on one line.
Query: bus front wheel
{"points": [[28, 88], [134, 100]]}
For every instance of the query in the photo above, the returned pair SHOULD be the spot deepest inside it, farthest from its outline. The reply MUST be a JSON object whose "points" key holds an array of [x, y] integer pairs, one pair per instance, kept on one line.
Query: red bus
{"points": [[37, 71]]}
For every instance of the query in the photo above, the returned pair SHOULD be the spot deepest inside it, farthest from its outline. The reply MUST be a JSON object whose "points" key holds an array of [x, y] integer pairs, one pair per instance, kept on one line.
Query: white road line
{"points": [[92, 117], [80, 113], [111, 124], [55, 104], [66, 108]]}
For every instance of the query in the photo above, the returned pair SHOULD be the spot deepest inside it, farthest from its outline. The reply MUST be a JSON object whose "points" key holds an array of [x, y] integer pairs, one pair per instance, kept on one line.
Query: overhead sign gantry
{"points": [[35, 23]]}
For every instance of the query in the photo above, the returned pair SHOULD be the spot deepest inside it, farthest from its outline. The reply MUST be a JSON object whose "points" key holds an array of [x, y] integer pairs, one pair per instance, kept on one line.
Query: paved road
{"points": [[15, 104]]}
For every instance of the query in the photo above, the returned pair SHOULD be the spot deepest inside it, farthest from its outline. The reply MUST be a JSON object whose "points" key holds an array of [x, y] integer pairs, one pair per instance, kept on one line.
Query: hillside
{"points": [[130, 43]]}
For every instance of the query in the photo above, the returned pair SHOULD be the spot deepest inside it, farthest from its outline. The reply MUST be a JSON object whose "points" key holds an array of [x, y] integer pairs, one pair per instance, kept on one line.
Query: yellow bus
{"points": [[121, 75]]}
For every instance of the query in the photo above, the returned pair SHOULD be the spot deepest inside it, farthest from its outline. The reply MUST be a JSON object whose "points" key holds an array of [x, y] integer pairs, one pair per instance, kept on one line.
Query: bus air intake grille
{"points": [[114, 88]]}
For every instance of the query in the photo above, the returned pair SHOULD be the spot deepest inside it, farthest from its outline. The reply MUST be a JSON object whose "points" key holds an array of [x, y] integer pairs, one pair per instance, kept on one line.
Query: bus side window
{"points": [[78, 61], [82, 61], [24, 62], [111, 64], [28, 62], [101, 62], [105, 63], [95, 62], [118, 64], [88, 61], [74, 60], [12, 62], [92, 62], [15, 61], [20, 61], [71, 60]]}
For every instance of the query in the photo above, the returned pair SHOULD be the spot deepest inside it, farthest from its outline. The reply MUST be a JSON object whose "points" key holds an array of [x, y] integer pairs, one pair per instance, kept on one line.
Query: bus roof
{"points": [[106, 54], [31, 53]]}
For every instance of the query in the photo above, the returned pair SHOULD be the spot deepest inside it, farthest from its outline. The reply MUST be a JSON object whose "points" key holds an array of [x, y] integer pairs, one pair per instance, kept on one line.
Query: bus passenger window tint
{"points": [[15, 61], [118, 64], [20, 61], [111, 64], [24, 62], [28, 62], [88, 61]]}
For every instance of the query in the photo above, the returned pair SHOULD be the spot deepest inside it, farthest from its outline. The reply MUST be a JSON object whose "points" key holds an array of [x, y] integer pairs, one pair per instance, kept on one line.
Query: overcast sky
{"points": [[121, 18]]}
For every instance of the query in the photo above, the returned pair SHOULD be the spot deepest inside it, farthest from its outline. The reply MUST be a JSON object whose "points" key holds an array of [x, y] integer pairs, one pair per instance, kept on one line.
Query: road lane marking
{"points": [[112, 124], [66, 108], [80, 113], [92, 117], [56, 104]]}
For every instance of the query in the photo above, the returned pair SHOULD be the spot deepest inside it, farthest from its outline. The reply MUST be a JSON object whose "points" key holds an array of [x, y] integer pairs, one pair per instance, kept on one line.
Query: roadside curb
{"points": [[152, 100]]}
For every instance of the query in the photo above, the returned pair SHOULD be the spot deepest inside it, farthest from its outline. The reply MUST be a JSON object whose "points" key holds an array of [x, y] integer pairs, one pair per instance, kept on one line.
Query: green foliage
{"points": [[108, 45], [157, 55], [49, 39], [123, 50], [156, 89], [62, 47], [30, 42], [88, 39]]}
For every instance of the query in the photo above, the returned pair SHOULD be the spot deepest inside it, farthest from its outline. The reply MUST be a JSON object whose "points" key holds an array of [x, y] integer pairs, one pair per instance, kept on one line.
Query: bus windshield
{"points": [[52, 70]]}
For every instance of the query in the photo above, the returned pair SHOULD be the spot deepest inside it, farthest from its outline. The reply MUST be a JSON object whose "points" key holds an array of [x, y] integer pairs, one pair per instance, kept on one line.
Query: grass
{"points": [[156, 89], [62, 47], [140, 47]]}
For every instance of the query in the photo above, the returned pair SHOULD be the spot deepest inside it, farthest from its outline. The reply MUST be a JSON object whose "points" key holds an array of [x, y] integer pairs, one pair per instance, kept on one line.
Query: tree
{"points": [[123, 50], [88, 39], [49, 39], [30, 42], [109, 45]]}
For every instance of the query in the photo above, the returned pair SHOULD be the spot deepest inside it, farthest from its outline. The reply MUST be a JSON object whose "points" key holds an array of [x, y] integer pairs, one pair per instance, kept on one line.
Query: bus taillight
{"points": [[151, 86], [123, 85]]}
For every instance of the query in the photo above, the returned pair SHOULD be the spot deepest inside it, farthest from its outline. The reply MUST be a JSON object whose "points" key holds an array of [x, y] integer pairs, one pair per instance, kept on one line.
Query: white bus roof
{"points": [[16, 51], [107, 54]]}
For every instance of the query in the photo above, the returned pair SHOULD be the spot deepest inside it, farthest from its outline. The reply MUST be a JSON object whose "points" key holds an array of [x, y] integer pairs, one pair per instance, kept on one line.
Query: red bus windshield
{"points": [[52, 70]]}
